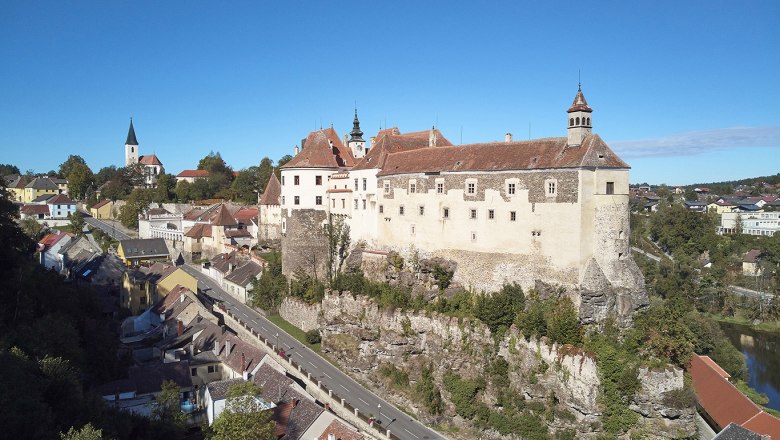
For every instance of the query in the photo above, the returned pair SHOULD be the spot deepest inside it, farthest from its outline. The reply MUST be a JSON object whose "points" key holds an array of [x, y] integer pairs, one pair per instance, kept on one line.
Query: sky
{"points": [[685, 92]]}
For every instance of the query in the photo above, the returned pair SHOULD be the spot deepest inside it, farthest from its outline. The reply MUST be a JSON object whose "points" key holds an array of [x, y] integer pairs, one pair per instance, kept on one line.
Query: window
{"points": [[381, 209], [297, 200], [610, 187], [412, 230], [491, 214], [471, 188], [318, 200], [387, 187], [364, 203], [318, 180], [412, 188], [422, 210], [401, 210], [446, 213], [356, 184], [577, 121], [512, 216], [365, 184], [142, 300], [343, 204], [296, 180], [333, 203], [550, 188], [511, 188], [194, 372], [473, 214], [473, 236], [212, 369], [439, 188], [282, 180], [571, 122], [356, 203]]}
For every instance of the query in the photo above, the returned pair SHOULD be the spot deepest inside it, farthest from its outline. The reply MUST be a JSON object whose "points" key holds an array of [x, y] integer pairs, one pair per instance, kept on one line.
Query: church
{"points": [[152, 167], [551, 210]]}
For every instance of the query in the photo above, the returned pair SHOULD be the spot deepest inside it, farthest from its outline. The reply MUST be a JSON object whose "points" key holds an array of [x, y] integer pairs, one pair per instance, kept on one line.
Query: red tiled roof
{"points": [[200, 230], [392, 141], [752, 255], [101, 204], [252, 355], [322, 149], [272, 193], [340, 431], [579, 104], [60, 199], [50, 240], [245, 215], [193, 173], [149, 159], [724, 404], [714, 365], [35, 209], [546, 153], [223, 217]]}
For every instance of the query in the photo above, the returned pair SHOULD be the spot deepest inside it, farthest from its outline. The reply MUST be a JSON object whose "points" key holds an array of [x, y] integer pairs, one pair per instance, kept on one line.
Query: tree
{"points": [[6, 169], [80, 180], [337, 233], [67, 166], [77, 222], [246, 186], [283, 160], [183, 191], [105, 174], [87, 432], [268, 289], [563, 323], [166, 184], [137, 203], [168, 408], [691, 195], [500, 309], [31, 228], [264, 171], [244, 417]]}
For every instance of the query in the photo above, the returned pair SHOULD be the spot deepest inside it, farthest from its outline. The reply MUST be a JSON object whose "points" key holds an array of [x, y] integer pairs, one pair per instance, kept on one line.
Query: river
{"points": [[763, 359]]}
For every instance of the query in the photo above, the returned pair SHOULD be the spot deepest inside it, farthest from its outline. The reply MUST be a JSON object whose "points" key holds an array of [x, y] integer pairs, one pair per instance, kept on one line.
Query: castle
{"points": [[551, 210], [152, 167]]}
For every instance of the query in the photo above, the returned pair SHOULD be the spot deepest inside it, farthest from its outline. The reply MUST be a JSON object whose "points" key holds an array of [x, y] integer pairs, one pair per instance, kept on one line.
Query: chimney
{"points": [[216, 348], [303, 143], [243, 362], [371, 141], [508, 137], [227, 348], [346, 139], [432, 137], [179, 328], [331, 436], [295, 151]]}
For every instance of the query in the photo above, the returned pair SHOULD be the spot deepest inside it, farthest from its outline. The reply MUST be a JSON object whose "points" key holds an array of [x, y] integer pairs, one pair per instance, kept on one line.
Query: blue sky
{"points": [[685, 91]]}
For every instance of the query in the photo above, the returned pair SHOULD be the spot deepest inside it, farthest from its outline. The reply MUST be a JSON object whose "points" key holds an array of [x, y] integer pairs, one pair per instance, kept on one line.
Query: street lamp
{"points": [[379, 412], [277, 341]]}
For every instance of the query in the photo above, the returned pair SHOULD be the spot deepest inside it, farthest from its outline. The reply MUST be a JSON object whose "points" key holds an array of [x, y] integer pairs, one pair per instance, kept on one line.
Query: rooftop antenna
{"points": [[579, 81]]}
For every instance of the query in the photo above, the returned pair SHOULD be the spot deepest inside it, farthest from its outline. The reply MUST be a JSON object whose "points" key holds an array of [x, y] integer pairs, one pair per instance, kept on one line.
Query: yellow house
{"points": [[38, 187], [176, 277], [142, 251], [15, 188], [102, 209], [720, 208], [62, 184]]}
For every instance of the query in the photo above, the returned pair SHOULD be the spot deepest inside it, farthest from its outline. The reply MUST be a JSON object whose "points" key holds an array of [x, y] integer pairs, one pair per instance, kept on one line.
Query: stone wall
{"points": [[304, 245], [298, 313]]}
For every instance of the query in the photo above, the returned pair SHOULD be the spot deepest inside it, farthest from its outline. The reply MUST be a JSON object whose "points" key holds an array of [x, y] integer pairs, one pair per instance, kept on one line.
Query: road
{"points": [[646, 254], [399, 423], [752, 293], [106, 227]]}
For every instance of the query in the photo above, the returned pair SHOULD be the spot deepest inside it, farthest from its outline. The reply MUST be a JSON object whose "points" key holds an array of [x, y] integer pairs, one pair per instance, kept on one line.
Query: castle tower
{"points": [[356, 142], [131, 146], [579, 119]]}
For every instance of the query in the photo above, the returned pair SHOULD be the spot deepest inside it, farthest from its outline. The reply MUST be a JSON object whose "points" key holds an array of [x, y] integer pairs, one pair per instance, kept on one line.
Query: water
{"points": [[763, 360]]}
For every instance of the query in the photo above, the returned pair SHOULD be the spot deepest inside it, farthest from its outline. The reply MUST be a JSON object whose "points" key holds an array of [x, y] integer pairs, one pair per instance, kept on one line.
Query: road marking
{"points": [[411, 433], [313, 366], [255, 322], [345, 388], [265, 329], [362, 400], [327, 375]]}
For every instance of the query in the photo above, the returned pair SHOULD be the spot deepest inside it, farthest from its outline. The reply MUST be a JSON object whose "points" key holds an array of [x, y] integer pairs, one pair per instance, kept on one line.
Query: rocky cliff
{"points": [[560, 383]]}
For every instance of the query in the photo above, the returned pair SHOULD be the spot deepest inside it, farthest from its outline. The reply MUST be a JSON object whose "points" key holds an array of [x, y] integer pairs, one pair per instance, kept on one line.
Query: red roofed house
{"points": [[218, 228], [554, 210], [270, 211], [49, 247], [191, 175], [152, 166], [61, 206], [721, 402]]}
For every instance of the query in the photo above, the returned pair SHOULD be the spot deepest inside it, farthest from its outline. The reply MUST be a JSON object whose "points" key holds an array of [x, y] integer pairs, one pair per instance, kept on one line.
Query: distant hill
{"points": [[774, 180]]}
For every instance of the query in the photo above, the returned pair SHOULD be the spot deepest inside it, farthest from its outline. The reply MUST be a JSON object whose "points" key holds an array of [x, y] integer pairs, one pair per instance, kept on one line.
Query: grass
{"points": [[294, 331], [755, 396], [766, 326]]}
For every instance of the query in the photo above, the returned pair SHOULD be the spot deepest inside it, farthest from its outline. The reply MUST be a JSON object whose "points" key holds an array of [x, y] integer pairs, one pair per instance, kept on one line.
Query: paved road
{"points": [[400, 424], [752, 293], [107, 228], [646, 254]]}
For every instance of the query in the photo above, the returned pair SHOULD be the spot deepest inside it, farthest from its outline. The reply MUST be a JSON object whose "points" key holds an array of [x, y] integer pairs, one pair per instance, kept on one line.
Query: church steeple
{"points": [[356, 134], [356, 142], [131, 140], [579, 119], [131, 146]]}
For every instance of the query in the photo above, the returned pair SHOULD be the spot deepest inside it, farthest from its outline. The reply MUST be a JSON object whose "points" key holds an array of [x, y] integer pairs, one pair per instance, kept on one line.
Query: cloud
{"points": [[697, 142]]}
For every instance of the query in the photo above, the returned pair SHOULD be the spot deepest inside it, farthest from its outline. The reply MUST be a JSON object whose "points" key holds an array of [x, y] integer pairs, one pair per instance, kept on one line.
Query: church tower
{"points": [[579, 120], [131, 147], [356, 142]]}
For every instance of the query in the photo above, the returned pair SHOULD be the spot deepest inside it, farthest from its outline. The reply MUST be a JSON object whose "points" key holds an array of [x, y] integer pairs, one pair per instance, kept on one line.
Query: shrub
{"points": [[313, 337]]}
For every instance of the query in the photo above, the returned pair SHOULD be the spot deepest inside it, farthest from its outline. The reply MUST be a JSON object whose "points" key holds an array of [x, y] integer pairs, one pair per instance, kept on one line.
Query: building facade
{"points": [[151, 165]]}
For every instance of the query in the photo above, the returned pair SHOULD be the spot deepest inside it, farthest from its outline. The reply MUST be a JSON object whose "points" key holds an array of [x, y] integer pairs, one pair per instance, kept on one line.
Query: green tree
{"points": [[337, 234], [264, 171], [428, 392], [87, 432], [137, 203], [268, 290], [183, 191], [32, 228], [166, 187], [691, 195], [563, 323], [500, 309], [283, 160], [246, 186], [6, 169], [80, 180], [168, 408], [67, 166], [77, 222], [244, 417], [105, 174]]}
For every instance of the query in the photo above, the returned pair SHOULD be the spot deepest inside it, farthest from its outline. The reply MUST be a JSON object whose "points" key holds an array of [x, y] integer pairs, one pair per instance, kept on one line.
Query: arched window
{"points": [[588, 121], [132, 149], [571, 122], [578, 121]]}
